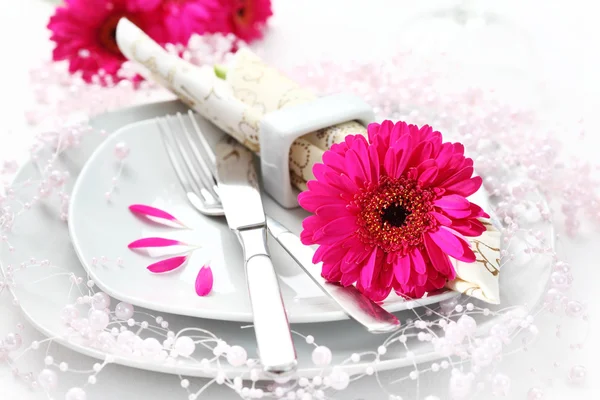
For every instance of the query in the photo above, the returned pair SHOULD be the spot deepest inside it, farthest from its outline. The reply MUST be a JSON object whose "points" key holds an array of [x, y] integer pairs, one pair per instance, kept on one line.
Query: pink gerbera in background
{"points": [[84, 32], [182, 18], [246, 18], [388, 212]]}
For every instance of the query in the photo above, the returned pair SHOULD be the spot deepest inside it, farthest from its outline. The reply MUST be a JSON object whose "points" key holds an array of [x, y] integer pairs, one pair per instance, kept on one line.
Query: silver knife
{"points": [[240, 196], [356, 305]]}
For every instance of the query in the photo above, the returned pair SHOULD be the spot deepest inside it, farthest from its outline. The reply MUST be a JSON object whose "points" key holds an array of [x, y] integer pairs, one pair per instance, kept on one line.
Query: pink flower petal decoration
{"points": [[204, 281], [154, 242], [167, 265], [156, 215]]}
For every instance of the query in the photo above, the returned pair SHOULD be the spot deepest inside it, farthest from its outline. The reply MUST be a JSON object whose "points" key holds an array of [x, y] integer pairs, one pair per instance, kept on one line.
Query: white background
{"points": [[565, 59]]}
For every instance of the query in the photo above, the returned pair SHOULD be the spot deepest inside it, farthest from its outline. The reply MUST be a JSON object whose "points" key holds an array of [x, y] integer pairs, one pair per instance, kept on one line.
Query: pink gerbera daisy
{"points": [[389, 212], [182, 18], [246, 18], [84, 32]]}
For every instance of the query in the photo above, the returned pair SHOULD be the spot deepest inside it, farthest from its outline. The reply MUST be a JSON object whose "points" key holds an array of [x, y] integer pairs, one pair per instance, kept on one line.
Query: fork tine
{"points": [[192, 194], [212, 158], [208, 169], [198, 176]]}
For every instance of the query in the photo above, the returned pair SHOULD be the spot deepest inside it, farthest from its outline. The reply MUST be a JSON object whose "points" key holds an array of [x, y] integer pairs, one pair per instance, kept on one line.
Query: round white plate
{"points": [[104, 228], [44, 291]]}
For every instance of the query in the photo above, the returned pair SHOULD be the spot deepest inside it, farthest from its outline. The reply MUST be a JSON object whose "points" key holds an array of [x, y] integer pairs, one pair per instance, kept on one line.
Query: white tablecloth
{"points": [[563, 35]]}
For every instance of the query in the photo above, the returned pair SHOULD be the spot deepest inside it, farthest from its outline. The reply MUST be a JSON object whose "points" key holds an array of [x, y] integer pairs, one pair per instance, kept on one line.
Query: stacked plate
{"points": [[94, 246]]}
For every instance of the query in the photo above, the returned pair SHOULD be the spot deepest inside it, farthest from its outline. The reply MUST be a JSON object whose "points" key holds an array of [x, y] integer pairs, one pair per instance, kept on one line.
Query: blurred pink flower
{"points": [[389, 212], [182, 18], [244, 18], [84, 33]]}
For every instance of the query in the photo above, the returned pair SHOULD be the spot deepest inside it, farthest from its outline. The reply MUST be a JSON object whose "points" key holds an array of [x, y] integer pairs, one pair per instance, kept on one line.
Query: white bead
{"points": [[97, 367], [47, 379], [185, 346], [92, 380], [130, 322], [535, 394], [470, 307], [48, 360], [254, 374], [121, 150], [310, 339], [124, 311], [68, 314], [339, 379], [435, 367], [369, 370], [99, 320], [151, 347], [238, 383], [355, 357], [101, 301], [577, 374], [303, 382], [237, 356], [63, 366], [35, 345], [413, 375], [459, 308], [220, 379], [76, 393], [321, 356], [381, 350], [467, 324], [501, 385], [317, 381]]}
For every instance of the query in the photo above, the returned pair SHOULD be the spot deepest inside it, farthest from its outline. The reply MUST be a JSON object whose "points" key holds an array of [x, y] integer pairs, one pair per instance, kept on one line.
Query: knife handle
{"points": [[275, 346], [356, 305]]}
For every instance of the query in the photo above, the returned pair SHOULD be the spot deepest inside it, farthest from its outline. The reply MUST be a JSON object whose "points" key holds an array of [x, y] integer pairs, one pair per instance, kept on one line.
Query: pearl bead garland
{"points": [[55, 179]]}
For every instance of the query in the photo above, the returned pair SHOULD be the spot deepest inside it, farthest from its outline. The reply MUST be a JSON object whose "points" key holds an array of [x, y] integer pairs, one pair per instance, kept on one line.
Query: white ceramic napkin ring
{"points": [[279, 129]]}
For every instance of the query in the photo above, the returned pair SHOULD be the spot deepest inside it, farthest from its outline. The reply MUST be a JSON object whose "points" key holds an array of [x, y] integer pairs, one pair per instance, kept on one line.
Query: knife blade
{"points": [[356, 305], [239, 191]]}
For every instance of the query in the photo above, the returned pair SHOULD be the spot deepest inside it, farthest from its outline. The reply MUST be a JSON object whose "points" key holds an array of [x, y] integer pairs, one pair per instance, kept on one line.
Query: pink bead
{"points": [[121, 150], [535, 394], [577, 374]]}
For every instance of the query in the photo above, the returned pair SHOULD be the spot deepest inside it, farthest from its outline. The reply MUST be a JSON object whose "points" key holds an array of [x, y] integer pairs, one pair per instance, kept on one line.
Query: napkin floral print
{"points": [[388, 212]]}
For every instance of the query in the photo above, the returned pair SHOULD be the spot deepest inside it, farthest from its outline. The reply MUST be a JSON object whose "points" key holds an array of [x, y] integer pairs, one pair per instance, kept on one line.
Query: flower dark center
{"points": [[107, 34], [394, 214], [243, 13]]}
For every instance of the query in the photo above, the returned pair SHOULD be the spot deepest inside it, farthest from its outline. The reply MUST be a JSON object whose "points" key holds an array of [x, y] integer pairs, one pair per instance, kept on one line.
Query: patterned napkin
{"points": [[251, 89]]}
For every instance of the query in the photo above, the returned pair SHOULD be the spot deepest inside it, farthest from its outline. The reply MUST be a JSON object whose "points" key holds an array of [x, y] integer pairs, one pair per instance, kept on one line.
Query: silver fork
{"points": [[194, 163]]}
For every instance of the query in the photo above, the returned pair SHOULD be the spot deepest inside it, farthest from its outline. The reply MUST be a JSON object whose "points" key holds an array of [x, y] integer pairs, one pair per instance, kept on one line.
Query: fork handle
{"points": [[275, 346], [356, 305]]}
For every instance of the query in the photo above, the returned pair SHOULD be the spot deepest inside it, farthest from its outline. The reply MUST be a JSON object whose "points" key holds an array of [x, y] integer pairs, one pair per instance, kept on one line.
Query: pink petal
{"points": [[402, 269], [453, 202], [155, 214], [154, 242], [439, 259], [447, 242], [442, 219], [467, 187], [204, 281], [417, 260], [367, 272], [167, 265]]}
